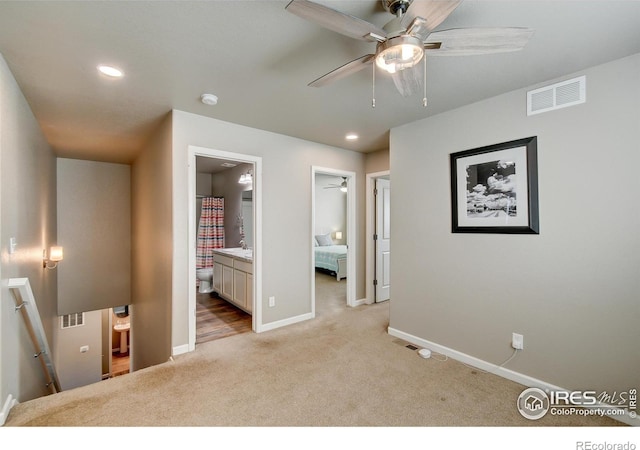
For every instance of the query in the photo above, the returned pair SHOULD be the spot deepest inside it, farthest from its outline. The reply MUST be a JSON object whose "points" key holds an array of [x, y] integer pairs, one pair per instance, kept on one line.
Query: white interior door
{"points": [[383, 239]]}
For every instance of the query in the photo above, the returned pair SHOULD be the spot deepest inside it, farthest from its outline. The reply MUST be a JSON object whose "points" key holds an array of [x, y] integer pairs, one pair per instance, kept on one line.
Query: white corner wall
{"points": [[286, 202], [572, 290]]}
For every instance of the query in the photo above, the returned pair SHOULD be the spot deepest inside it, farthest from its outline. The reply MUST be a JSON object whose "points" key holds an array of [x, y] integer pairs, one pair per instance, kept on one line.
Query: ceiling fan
{"points": [[342, 186], [405, 40]]}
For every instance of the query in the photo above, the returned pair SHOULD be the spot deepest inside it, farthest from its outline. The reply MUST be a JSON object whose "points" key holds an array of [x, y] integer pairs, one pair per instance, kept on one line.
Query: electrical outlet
{"points": [[84, 349], [272, 302], [517, 341]]}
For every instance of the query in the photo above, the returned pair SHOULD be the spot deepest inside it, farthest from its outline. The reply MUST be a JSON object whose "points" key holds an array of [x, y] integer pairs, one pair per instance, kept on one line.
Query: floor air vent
{"points": [[556, 96]]}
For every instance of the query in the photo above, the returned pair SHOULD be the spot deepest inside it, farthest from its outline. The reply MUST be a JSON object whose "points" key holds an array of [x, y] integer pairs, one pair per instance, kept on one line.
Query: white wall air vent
{"points": [[556, 96], [72, 320]]}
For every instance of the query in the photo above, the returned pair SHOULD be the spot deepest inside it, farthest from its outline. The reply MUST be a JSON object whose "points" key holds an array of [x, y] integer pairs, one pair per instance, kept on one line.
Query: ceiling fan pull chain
{"points": [[424, 83], [373, 88]]}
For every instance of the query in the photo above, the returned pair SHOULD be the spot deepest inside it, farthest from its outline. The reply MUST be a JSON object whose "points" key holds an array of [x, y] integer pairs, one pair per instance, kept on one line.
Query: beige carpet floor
{"points": [[341, 369]]}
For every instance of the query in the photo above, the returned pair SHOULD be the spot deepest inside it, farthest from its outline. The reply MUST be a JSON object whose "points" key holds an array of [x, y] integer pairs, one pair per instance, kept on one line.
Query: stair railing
{"points": [[26, 303]]}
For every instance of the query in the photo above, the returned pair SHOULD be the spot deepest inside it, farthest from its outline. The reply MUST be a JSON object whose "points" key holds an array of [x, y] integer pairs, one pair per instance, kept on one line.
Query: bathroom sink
{"points": [[121, 327], [237, 252]]}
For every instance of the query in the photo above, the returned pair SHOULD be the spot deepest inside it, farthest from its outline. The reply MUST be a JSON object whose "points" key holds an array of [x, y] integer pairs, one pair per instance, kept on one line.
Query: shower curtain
{"points": [[210, 230]]}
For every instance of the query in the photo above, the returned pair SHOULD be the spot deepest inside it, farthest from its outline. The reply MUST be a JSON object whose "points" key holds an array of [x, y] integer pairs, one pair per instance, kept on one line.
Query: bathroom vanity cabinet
{"points": [[233, 277]]}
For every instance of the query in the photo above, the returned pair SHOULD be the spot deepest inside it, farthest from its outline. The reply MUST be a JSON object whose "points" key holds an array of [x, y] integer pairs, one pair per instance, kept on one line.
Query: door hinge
{"points": [[375, 282], [375, 191], [375, 237]]}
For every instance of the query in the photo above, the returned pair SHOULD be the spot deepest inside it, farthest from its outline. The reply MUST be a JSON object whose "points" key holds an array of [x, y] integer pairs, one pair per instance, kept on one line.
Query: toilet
{"points": [[205, 276]]}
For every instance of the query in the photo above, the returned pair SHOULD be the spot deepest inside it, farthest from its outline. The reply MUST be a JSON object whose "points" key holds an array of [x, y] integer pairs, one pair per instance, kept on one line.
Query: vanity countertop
{"points": [[237, 253]]}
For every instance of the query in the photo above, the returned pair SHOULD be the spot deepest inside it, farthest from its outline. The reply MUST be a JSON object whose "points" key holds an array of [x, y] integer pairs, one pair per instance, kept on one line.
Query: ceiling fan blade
{"points": [[335, 20], [477, 41], [349, 68], [432, 13]]}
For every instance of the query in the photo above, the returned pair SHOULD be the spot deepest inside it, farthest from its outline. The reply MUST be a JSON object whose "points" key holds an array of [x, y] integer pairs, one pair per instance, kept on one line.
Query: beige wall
{"points": [[76, 368], [572, 290], [94, 227], [152, 237], [286, 255], [27, 213], [377, 161]]}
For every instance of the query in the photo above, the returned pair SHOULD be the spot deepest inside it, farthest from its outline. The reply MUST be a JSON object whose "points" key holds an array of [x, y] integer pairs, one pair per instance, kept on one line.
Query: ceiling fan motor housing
{"points": [[395, 6]]}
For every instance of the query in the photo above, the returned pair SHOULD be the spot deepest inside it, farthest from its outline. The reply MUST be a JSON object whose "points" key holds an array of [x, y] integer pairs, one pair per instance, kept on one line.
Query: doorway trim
{"points": [[351, 233], [370, 228], [256, 314]]}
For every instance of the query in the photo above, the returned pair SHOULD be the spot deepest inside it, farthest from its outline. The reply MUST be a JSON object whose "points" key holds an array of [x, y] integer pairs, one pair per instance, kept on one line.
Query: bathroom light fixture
{"points": [[246, 178], [351, 137], [110, 71], [56, 255]]}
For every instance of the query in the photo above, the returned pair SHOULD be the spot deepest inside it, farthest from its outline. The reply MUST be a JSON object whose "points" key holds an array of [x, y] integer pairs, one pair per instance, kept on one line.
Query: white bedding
{"points": [[332, 258]]}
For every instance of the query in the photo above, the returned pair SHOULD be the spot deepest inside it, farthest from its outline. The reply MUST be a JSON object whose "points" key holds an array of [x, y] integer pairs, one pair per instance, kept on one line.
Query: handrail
{"points": [[26, 302]]}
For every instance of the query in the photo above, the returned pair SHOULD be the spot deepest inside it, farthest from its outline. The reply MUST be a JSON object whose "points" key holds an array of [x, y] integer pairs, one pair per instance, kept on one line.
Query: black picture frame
{"points": [[494, 189]]}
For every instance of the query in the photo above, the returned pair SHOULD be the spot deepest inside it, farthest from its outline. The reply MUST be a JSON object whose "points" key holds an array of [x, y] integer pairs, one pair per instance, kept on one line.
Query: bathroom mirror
{"points": [[247, 215], [121, 311]]}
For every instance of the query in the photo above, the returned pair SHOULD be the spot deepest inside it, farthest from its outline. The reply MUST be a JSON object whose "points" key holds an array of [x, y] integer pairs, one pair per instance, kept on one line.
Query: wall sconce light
{"points": [[339, 235], [56, 255]]}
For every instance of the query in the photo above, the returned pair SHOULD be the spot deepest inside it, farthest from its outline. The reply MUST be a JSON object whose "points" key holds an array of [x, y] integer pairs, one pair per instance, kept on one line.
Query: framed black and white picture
{"points": [[494, 189]]}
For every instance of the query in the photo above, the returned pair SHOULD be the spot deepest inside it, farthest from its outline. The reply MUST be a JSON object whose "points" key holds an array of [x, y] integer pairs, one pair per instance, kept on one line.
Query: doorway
{"points": [[239, 235], [378, 232], [333, 239], [120, 342]]}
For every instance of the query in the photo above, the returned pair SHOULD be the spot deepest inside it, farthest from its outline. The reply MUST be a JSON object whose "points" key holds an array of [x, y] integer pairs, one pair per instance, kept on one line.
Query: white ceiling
{"points": [[258, 58]]}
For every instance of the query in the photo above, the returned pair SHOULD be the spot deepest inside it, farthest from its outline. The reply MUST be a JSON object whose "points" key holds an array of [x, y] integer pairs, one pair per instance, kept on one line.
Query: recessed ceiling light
{"points": [[351, 137], [209, 99], [110, 71]]}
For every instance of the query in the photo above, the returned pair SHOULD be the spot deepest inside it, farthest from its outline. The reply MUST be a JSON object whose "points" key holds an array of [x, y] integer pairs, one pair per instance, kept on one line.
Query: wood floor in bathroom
{"points": [[216, 319], [119, 364]]}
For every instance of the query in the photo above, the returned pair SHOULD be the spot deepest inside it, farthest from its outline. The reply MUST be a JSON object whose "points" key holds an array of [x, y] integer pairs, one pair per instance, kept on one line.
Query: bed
{"points": [[332, 258]]}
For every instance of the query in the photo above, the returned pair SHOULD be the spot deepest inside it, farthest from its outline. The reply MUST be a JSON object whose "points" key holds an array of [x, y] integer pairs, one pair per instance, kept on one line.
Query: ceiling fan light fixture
{"points": [[399, 53]]}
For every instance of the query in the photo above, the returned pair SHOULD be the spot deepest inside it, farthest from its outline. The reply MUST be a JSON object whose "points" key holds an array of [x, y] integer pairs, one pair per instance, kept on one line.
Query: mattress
{"points": [[327, 256]]}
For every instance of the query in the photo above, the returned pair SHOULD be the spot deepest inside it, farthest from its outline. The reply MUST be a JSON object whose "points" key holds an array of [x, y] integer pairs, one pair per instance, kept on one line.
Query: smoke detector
{"points": [[209, 99]]}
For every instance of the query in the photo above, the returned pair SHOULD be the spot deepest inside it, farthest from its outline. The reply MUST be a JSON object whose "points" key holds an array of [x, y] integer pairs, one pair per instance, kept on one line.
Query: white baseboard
{"points": [[179, 350], [517, 377], [362, 301], [9, 403], [283, 323]]}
